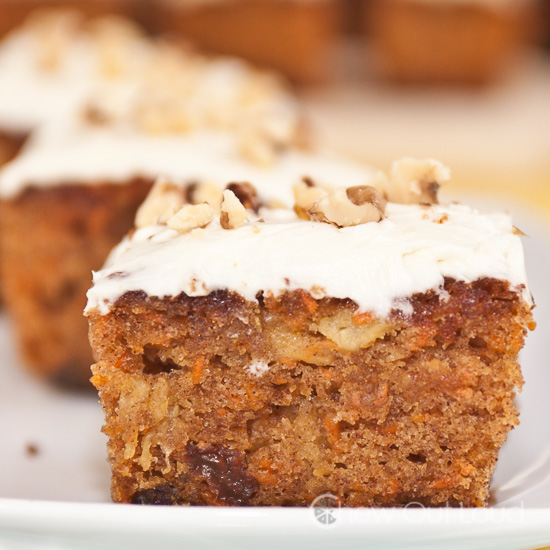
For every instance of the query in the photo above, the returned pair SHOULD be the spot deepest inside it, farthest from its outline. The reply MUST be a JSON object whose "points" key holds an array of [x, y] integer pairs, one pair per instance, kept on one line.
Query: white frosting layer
{"points": [[87, 155], [377, 265]]}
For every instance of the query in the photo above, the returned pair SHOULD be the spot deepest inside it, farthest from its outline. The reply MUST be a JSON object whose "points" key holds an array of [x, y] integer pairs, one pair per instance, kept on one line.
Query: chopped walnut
{"points": [[162, 115], [162, 202], [113, 39], [247, 194], [363, 194], [95, 115], [306, 194], [416, 181], [259, 87], [257, 148], [262, 140], [53, 31], [210, 193], [338, 208], [233, 213], [191, 216]]}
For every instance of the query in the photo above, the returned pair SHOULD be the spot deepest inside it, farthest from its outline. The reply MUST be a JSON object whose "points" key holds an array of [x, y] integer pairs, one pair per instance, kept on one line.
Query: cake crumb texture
{"points": [[51, 240], [376, 411]]}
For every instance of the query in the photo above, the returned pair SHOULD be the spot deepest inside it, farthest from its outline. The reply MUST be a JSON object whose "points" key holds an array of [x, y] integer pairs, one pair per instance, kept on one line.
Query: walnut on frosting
{"points": [[162, 113], [162, 202], [114, 38], [306, 194], [233, 213], [257, 147], [352, 206], [53, 31], [247, 194], [262, 139], [191, 216], [204, 191], [415, 181]]}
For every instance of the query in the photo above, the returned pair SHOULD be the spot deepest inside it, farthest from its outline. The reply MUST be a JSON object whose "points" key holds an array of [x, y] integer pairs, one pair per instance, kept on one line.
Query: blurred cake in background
{"points": [[294, 37], [451, 41], [14, 12]]}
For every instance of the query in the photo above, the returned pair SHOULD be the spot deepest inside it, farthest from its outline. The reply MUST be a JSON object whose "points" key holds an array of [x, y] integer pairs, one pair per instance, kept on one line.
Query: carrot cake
{"points": [[453, 41], [363, 344]]}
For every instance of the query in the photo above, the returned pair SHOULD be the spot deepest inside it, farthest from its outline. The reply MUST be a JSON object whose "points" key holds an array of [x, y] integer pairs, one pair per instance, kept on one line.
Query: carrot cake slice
{"points": [[362, 344]]}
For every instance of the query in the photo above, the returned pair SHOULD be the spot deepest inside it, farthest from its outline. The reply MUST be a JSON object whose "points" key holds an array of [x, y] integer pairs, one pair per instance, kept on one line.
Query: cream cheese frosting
{"points": [[377, 265], [86, 155]]}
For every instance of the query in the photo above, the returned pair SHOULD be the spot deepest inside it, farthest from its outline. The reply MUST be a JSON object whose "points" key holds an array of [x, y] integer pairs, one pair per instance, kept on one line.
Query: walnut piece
{"points": [[338, 208], [415, 181], [306, 194], [363, 194], [53, 31], [191, 216], [247, 194], [262, 139], [162, 202], [163, 115], [257, 148], [114, 37], [210, 193], [233, 213]]}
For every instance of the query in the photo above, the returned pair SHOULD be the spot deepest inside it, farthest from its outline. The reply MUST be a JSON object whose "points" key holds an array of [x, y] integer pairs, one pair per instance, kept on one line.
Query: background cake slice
{"points": [[355, 346]]}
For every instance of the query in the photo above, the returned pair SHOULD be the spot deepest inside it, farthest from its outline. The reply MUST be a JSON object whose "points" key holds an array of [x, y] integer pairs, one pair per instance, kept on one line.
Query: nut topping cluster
{"points": [[184, 208], [55, 31]]}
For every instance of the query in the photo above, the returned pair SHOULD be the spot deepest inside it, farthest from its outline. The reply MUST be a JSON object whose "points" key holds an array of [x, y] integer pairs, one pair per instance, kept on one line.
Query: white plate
{"points": [[59, 496]]}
